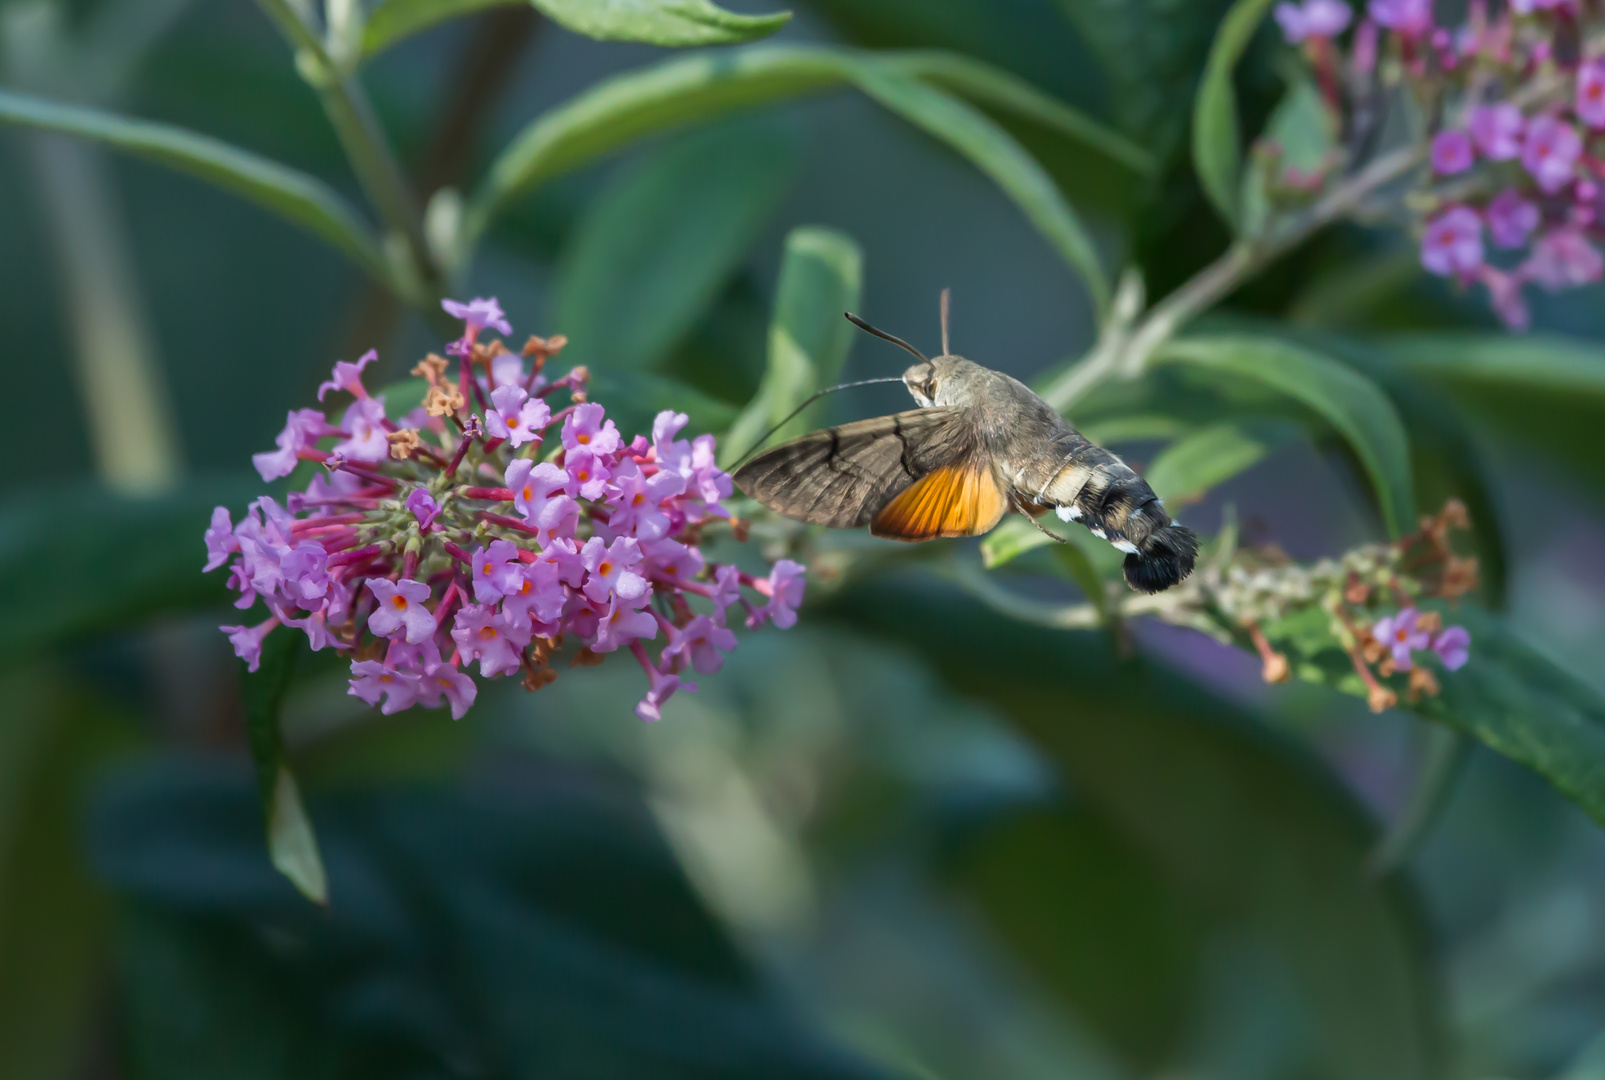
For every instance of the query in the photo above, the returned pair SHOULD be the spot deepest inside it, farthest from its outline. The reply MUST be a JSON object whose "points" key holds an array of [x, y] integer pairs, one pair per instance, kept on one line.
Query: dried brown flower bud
{"points": [[538, 678], [443, 399], [403, 443], [1422, 681], [431, 367], [586, 658], [1381, 699], [1276, 669]]}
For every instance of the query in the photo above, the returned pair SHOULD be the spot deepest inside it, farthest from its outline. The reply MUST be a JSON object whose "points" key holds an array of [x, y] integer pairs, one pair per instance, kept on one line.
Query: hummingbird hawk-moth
{"points": [[980, 444]]}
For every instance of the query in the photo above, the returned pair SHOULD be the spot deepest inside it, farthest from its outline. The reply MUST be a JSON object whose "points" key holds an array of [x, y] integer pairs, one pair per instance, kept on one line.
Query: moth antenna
{"points": [[947, 301], [811, 399], [884, 336]]}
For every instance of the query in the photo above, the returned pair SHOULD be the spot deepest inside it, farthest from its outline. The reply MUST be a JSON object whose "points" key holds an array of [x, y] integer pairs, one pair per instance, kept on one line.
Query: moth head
{"points": [[920, 379], [944, 380]]}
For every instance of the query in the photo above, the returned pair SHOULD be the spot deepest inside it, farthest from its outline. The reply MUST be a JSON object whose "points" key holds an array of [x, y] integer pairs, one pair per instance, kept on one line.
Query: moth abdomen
{"points": [[1102, 492]]}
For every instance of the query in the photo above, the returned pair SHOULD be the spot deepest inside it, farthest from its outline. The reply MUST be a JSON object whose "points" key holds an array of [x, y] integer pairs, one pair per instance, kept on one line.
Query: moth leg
{"points": [[1032, 517]]}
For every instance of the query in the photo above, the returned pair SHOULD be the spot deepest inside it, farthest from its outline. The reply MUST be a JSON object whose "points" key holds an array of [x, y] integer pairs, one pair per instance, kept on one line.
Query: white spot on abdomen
{"points": [[1124, 545], [1068, 513]]}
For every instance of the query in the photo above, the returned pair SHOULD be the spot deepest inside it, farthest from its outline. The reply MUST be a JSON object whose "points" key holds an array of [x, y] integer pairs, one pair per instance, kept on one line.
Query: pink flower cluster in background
{"points": [[1515, 188], [488, 529]]}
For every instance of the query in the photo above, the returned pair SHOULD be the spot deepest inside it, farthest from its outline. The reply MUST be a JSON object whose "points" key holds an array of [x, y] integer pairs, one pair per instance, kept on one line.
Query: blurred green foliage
{"points": [[911, 837]]}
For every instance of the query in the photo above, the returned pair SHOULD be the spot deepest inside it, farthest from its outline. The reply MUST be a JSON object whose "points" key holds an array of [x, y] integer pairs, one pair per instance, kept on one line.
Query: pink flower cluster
{"points": [[1516, 190], [1407, 632], [463, 535]]}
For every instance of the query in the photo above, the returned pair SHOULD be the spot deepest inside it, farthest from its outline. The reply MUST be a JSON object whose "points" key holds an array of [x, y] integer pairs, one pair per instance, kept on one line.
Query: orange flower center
{"points": [[398, 602]]}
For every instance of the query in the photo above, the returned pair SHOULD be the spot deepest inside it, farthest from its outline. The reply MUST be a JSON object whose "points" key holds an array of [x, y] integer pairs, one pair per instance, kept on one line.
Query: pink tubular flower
{"points": [[622, 623], [517, 417], [401, 610], [491, 570], [534, 591], [466, 549], [479, 313], [1591, 94], [785, 590], [543, 494], [589, 472], [1452, 153], [586, 430], [302, 429], [1407, 18], [348, 377], [373, 679], [1497, 130], [611, 569], [220, 539], [1312, 19], [364, 428], [1453, 646], [1504, 296], [445, 681], [1563, 259], [650, 708], [1400, 636], [247, 641], [1452, 245], [1550, 152], [1511, 219], [703, 642], [495, 641], [637, 501]]}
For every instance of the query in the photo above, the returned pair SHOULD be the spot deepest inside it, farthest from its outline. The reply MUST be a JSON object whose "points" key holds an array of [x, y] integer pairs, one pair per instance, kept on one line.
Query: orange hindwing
{"points": [[962, 499]]}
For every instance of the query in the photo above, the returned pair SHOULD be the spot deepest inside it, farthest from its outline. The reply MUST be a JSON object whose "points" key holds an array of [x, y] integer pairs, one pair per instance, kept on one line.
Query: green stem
{"points": [[372, 160], [1216, 281]]}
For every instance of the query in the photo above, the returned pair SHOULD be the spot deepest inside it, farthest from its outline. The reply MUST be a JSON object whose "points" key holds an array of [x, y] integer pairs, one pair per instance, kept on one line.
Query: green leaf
{"points": [[79, 560], [1102, 928], [1447, 458], [512, 929], [1304, 132], [1510, 696], [821, 274], [1513, 698], [393, 20], [1244, 825], [994, 88], [1211, 455], [633, 399], [1151, 52], [1217, 145], [1012, 538], [298, 198], [995, 152], [292, 847], [1548, 392], [657, 245], [1354, 405], [687, 89], [660, 22]]}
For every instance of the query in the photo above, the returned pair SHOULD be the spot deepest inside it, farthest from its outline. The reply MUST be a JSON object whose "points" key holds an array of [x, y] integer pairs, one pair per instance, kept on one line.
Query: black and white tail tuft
{"points": [[1163, 559]]}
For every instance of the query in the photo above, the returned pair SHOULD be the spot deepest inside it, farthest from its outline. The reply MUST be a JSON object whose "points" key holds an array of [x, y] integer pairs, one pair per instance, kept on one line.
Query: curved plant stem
{"points": [[372, 160], [1212, 284]]}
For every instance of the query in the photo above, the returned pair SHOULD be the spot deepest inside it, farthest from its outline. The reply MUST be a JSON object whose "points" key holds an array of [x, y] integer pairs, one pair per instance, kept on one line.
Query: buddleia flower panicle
{"points": [[1367, 604], [1512, 192], [492, 526]]}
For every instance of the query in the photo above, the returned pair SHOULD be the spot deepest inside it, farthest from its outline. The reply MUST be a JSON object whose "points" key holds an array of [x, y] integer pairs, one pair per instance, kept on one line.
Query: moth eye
{"points": [[929, 389]]}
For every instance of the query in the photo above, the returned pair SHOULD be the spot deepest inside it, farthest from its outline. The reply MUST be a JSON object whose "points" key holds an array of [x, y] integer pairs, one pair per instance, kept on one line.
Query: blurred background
{"points": [[906, 838]]}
